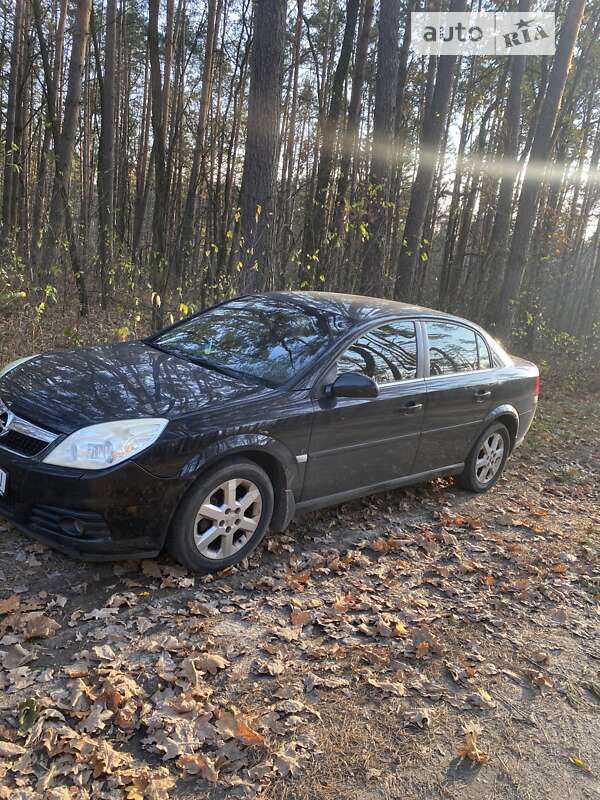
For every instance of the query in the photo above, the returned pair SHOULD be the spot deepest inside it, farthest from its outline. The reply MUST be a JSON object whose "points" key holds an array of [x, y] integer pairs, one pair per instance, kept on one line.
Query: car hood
{"points": [[67, 390]]}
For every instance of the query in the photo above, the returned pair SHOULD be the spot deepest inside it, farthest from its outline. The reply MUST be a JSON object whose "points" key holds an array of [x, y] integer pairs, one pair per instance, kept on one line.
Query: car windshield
{"points": [[265, 338]]}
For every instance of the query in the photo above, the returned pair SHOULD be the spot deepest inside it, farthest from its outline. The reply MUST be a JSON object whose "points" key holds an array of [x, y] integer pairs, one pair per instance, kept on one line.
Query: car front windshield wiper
{"points": [[207, 364]]}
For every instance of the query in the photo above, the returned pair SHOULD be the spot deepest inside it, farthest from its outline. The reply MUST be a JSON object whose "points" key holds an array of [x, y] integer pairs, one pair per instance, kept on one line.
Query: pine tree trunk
{"points": [[353, 123], [189, 210], [60, 213], [158, 255], [106, 150], [315, 222], [12, 115], [260, 167], [532, 183], [493, 264], [373, 267], [431, 136]]}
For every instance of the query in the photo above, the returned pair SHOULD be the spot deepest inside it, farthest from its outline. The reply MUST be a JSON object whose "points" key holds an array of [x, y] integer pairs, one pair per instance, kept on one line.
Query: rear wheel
{"points": [[223, 518], [486, 461]]}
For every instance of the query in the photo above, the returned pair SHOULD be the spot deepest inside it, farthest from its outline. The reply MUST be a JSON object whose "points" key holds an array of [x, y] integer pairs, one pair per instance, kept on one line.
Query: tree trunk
{"points": [[12, 114], [431, 136], [60, 213], [532, 183], [493, 265], [289, 178], [373, 268], [451, 227], [353, 122], [38, 216], [189, 210], [106, 150], [142, 166], [315, 223], [260, 166], [158, 256]]}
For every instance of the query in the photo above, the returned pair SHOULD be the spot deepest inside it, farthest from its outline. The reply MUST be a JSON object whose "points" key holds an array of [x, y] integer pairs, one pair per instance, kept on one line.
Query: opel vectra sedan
{"points": [[228, 423]]}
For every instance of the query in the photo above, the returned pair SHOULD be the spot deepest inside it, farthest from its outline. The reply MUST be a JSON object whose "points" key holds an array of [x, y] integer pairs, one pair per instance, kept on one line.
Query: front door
{"points": [[358, 442]]}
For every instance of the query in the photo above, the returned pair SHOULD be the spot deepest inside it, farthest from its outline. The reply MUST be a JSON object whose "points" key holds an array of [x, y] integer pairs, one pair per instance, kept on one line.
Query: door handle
{"points": [[481, 395], [411, 407]]}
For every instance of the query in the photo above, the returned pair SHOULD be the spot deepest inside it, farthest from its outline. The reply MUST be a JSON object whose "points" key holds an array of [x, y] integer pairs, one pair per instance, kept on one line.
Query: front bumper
{"points": [[123, 512]]}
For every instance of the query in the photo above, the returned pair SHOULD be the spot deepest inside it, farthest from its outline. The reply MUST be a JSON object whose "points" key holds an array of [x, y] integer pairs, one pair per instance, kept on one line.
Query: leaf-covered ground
{"points": [[421, 644]]}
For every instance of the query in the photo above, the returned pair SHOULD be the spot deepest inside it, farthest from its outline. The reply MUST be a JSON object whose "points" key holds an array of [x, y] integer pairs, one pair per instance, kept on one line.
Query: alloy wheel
{"points": [[489, 458], [227, 518]]}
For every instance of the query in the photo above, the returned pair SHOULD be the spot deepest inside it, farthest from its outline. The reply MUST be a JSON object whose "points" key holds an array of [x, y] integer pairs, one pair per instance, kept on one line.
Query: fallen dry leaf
{"points": [[10, 750], [419, 717], [230, 725], [198, 764], [210, 662], [391, 628], [38, 626], [469, 748], [299, 617], [9, 604], [287, 762]]}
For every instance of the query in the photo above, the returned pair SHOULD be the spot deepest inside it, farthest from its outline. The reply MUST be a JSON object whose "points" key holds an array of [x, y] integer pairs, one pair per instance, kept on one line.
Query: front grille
{"points": [[22, 444], [21, 436], [7, 501], [48, 520]]}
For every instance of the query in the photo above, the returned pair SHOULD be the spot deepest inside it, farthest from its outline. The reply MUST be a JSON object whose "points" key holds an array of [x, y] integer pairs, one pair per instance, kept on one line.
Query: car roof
{"points": [[359, 307]]}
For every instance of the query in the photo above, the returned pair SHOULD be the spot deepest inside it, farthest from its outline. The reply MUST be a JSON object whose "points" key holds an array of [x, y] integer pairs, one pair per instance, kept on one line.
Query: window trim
{"points": [[313, 382], [380, 324], [322, 370], [458, 324]]}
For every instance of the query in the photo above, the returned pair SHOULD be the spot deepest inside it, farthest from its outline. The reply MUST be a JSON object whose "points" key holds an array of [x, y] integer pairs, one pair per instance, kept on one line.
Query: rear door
{"points": [[461, 385], [362, 442]]}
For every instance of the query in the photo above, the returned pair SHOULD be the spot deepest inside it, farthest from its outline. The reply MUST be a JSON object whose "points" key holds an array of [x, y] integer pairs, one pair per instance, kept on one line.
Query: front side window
{"points": [[265, 338], [452, 348], [386, 354]]}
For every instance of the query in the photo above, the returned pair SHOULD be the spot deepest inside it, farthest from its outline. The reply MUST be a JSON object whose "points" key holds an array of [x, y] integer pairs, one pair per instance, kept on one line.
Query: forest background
{"points": [[161, 155]]}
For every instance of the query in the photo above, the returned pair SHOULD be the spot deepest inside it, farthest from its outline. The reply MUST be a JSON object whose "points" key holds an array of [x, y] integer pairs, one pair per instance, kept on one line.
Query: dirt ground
{"points": [[426, 643]]}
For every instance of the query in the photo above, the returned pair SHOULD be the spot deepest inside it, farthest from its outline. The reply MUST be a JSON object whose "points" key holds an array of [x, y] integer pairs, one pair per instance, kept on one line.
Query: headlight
{"points": [[107, 444], [14, 364]]}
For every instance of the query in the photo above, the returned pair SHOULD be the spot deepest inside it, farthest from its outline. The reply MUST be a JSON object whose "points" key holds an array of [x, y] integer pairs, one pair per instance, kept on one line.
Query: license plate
{"points": [[3, 481]]}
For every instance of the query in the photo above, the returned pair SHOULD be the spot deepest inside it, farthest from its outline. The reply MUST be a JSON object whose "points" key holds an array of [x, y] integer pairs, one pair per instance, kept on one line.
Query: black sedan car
{"points": [[228, 423]]}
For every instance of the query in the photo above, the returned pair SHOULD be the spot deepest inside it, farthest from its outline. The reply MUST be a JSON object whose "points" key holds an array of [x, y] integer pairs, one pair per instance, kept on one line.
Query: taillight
{"points": [[538, 383]]}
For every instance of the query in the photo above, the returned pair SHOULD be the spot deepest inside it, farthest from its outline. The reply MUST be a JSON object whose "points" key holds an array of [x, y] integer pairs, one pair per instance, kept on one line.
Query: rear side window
{"points": [[485, 362], [452, 348], [386, 354]]}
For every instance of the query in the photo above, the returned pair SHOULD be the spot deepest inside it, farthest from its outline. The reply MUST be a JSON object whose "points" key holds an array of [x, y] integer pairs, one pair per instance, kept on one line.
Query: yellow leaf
{"points": [[579, 762]]}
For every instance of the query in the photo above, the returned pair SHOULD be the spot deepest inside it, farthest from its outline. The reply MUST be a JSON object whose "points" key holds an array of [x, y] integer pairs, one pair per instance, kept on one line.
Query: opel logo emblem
{"points": [[6, 418]]}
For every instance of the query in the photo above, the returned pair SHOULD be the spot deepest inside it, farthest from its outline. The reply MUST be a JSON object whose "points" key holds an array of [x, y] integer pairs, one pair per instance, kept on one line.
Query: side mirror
{"points": [[352, 384]]}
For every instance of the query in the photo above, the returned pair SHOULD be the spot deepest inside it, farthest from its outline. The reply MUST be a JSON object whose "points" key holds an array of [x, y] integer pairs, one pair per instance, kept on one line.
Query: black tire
{"points": [[187, 528], [469, 478]]}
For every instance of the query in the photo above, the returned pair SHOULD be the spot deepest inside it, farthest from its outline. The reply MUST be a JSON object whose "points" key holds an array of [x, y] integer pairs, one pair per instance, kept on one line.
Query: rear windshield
{"points": [[266, 338]]}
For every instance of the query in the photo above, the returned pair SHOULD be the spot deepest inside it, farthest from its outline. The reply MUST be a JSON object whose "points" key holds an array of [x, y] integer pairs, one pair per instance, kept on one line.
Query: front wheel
{"points": [[223, 518], [486, 461]]}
